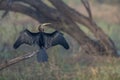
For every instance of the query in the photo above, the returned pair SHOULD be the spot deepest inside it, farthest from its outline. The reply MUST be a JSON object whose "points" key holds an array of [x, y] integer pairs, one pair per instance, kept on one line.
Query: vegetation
{"points": [[85, 67], [62, 65]]}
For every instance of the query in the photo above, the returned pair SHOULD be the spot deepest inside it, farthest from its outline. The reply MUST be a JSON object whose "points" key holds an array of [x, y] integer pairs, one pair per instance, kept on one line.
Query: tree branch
{"points": [[16, 7], [91, 25], [39, 5], [16, 60], [87, 6], [9, 3]]}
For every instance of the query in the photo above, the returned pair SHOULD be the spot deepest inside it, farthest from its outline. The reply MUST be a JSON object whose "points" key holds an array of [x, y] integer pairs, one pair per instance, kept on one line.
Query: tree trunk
{"points": [[66, 19]]}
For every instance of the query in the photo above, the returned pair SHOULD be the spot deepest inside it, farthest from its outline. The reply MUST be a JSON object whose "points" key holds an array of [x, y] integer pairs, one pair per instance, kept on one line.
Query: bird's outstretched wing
{"points": [[25, 37], [55, 38]]}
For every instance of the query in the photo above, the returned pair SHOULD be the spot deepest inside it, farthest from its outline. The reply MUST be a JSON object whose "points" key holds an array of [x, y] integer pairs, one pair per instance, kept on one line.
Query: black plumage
{"points": [[43, 40]]}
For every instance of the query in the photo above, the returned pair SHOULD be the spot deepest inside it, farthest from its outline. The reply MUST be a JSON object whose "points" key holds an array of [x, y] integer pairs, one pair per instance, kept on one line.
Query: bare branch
{"points": [[9, 3], [88, 9], [16, 7], [16, 60], [91, 25], [39, 5]]}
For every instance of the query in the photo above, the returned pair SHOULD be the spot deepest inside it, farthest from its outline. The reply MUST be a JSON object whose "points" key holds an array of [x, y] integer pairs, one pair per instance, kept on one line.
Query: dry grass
{"points": [[78, 67]]}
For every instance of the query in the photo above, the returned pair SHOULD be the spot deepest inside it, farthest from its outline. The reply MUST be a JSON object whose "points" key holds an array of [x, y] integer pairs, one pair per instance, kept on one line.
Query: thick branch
{"points": [[91, 25], [42, 8], [9, 3], [16, 7], [16, 60]]}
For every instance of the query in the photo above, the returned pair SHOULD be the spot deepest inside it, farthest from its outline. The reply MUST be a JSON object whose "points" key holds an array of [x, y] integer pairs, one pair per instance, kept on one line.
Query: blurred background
{"points": [[63, 64]]}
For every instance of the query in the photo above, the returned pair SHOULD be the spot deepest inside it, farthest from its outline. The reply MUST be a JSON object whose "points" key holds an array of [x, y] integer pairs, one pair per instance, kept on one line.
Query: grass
{"points": [[82, 67]]}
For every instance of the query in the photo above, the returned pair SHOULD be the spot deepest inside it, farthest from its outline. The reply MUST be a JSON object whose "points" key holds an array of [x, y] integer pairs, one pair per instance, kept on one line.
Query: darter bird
{"points": [[42, 39]]}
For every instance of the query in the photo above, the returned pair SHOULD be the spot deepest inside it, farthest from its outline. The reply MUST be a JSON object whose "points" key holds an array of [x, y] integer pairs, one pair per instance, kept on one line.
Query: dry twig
{"points": [[87, 7], [16, 60]]}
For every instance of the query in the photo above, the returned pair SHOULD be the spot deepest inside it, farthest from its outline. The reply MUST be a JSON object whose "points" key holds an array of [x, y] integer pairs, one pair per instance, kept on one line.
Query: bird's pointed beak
{"points": [[44, 24], [41, 26]]}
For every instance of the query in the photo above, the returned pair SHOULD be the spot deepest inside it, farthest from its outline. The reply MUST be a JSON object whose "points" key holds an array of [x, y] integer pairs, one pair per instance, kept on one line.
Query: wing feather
{"points": [[25, 37], [55, 38]]}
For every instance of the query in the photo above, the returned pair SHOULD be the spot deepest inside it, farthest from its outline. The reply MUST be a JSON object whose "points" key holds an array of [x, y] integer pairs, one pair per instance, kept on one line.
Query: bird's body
{"points": [[43, 40]]}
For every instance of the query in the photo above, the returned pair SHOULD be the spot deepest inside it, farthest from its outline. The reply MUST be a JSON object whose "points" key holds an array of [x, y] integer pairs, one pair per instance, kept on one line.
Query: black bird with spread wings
{"points": [[43, 40]]}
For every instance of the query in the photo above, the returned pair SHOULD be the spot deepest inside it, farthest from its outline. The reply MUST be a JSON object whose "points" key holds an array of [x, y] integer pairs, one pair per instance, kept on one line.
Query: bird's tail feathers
{"points": [[42, 55]]}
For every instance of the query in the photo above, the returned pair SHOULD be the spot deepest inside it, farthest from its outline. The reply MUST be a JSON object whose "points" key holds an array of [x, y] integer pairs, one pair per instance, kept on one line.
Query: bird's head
{"points": [[41, 26]]}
